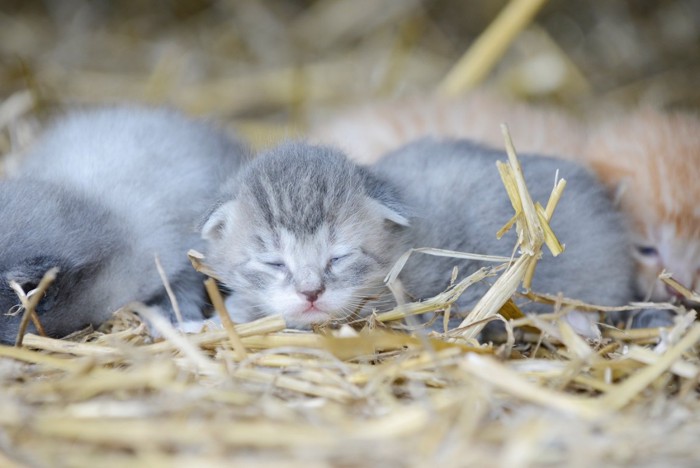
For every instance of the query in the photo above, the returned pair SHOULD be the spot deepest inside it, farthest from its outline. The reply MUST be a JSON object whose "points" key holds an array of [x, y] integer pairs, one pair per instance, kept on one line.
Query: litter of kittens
{"points": [[257, 393], [371, 394]]}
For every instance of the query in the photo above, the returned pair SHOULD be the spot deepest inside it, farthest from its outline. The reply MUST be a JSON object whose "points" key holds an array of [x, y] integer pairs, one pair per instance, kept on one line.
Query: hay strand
{"points": [[483, 54]]}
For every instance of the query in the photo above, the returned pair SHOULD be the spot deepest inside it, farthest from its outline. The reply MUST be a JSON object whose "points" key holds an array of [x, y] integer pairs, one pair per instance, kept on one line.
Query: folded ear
{"points": [[389, 213], [384, 198], [220, 218]]}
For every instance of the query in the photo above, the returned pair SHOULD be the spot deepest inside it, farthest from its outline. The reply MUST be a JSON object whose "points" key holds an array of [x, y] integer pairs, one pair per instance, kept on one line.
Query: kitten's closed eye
{"points": [[276, 264], [338, 259], [647, 250]]}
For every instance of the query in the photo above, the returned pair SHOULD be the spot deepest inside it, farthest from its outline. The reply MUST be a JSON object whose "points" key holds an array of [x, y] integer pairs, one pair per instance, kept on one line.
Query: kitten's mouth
{"points": [[312, 309]]}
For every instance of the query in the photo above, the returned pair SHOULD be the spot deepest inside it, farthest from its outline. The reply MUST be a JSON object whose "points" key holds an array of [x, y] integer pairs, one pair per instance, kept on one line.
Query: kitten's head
{"points": [[652, 160], [306, 234], [44, 227]]}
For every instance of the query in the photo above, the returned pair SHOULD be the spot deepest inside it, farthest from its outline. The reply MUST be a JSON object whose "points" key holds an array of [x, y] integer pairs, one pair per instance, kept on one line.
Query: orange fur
{"points": [[368, 132], [649, 159], [653, 159]]}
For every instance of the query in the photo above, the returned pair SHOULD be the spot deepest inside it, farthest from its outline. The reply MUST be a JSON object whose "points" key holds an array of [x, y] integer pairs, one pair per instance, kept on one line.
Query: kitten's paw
{"points": [[191, 326], [653, 318], [584, 324]]}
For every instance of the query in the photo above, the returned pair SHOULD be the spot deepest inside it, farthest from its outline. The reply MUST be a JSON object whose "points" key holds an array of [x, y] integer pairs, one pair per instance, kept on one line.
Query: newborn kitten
{"points": [[307, 234], [652, 159], [369, 132], [99, 196]]}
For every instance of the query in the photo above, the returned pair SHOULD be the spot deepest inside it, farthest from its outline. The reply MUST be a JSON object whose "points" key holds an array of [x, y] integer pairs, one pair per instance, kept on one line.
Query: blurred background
{"points": [[269, 67]]}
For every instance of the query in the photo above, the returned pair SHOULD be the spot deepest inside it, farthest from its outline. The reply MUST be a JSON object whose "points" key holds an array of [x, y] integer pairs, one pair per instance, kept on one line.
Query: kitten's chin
{"points": [[304, 319]]}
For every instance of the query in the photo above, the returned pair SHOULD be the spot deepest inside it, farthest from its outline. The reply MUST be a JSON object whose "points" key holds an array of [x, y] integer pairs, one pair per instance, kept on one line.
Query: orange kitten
{"points": [[653, 159], [368, 132]]}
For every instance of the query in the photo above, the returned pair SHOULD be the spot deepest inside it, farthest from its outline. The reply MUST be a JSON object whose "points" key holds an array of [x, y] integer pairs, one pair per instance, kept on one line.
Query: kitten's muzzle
{"points": [[312, 295]]}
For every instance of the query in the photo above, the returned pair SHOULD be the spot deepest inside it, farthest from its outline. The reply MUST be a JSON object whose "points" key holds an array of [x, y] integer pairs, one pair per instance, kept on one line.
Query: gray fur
{"points": [[304, 218], [429, 194], [457, 190], [102, 193]]}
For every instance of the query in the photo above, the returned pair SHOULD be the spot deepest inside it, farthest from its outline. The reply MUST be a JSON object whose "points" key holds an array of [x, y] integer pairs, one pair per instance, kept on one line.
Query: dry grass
{"points": [[369, 395]]}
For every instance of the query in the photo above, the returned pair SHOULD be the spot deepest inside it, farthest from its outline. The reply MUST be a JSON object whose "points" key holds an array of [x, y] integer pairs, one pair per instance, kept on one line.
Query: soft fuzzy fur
{"points": [[308, 234], [100, 195]]}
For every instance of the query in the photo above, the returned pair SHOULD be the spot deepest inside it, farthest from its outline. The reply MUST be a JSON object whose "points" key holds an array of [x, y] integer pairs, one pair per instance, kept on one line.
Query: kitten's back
{"points": [[147, 155], [457, 188], [153, 167], [112, 189]]}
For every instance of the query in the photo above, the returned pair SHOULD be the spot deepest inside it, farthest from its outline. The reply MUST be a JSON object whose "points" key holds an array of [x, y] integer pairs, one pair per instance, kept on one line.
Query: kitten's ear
{"points": [[384, 198], [389, 213], [216, 222]]}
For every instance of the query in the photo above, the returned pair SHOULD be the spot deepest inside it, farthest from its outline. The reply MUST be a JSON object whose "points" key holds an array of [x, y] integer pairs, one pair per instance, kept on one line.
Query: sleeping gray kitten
{"points": [[307, 234], [99, 196]]}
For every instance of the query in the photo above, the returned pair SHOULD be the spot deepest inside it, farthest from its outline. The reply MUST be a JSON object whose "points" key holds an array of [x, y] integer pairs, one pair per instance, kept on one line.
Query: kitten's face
{"points": [[303, 241], [653, 160]]}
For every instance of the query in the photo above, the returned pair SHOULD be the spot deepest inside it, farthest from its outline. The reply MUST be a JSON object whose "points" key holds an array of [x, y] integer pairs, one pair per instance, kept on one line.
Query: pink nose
{"points": [[312, 296]]}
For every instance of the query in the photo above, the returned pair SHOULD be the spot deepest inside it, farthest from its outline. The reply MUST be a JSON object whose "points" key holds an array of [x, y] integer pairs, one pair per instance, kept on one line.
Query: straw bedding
{"points": [[376, 393]]}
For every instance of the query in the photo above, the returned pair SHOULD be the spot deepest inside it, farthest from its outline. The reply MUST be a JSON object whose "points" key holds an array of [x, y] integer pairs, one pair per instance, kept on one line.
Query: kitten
{"points": [[648, 158], [369, 132], [99, 196], [307, 234], [652, 159]]}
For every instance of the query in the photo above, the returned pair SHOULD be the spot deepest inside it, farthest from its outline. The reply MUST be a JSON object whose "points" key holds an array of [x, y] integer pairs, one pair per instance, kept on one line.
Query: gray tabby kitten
{"points": [[307, 234], [99, 196]]}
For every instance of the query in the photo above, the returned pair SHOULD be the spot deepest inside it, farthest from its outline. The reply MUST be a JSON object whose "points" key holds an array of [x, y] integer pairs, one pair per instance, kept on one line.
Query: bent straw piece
{"points": [[30, 303], [550, 240], [403, 259], [218, 303], [490, 46], [532, 221], [438, 302], [24, 301], [497, 295], [197, 259]]}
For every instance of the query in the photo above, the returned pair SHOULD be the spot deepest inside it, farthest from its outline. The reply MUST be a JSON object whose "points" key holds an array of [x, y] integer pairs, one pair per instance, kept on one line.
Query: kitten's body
{"points": [[652, 160], [649, 159], [100, 195], [461, 204], [304, 213], [367, 133]]}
